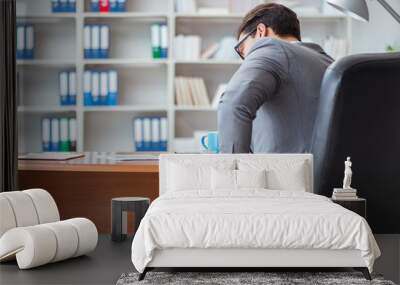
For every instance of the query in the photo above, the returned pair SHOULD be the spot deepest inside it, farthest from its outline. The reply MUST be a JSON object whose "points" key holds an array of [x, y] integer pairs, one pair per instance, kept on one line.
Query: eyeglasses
{"points": [[237, 46]]}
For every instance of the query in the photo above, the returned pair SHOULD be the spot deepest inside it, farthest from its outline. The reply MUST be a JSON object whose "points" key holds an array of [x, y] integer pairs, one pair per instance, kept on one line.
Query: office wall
{"points": [[382, 29]]}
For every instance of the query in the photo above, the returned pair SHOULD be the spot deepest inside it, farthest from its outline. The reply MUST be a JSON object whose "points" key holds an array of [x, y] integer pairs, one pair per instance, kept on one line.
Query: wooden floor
{"points": [[103, 266]]}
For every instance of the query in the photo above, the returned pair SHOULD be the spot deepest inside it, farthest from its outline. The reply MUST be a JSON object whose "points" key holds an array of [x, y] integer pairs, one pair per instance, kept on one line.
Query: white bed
{"points": [[201, 220]]}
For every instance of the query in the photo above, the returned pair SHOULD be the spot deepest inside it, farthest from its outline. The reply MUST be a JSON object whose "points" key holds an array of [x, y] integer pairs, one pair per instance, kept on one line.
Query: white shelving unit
{"points": [[146, 85]]}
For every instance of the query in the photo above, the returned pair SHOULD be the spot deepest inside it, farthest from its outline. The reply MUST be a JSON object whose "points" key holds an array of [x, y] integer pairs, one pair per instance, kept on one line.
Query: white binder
{"points": [[103, 87], [138, 134], [64, 130], [164, 129], [72, 133], [63, 81], [29, 40], [163, 133], [164, 41], [46, 134], [155, 133], [87, 41], [95, 40], [112, 87], [20, 41], [147, 134], [55, 134], [113, 81], [95, 88], [72, 87], [104, 40], [155, 40], [87, 87]]}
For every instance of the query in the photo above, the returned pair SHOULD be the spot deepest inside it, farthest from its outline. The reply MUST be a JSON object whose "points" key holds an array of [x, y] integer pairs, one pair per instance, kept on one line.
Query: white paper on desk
{"points": [[50, 156], [131, 156]]}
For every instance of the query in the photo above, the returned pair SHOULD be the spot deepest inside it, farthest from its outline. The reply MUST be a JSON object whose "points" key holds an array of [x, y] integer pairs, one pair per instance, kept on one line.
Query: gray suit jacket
{"points": [[271, 101]]}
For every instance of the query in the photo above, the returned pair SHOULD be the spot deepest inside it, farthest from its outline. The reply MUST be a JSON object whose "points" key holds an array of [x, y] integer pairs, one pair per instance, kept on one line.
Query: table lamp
{"points": [[358, 9]]}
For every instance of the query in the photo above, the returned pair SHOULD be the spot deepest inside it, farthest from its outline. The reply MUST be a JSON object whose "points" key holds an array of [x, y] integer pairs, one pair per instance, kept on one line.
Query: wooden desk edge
{"points": [[134, 168]]}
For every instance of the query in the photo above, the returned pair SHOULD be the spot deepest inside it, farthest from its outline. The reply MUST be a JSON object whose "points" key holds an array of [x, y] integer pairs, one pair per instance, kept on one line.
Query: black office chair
{"points": [[359, 116]]}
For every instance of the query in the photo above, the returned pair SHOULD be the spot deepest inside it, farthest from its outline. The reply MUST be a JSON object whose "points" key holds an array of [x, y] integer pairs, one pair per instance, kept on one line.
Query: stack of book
{"points": [[25, 41], [59, 134], [344, 194], [187, 47], [150, 133], [96, 41], [100, 88], [63, 6], [159, 40], [105, 6], [67, 88], [191, 91]]}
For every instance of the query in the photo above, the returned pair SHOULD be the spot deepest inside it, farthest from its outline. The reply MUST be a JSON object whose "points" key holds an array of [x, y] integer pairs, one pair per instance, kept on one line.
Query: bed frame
{"points": [[242, 259]]}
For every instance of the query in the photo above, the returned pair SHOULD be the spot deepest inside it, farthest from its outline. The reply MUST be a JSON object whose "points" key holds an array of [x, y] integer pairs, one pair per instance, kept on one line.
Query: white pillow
{"points": [[251, 178], [193, 175], [223, 179], [227, 179], [282, 174]]}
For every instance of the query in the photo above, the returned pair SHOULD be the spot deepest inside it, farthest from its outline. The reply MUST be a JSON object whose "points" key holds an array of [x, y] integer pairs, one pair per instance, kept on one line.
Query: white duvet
{"points": [[250, 219]]}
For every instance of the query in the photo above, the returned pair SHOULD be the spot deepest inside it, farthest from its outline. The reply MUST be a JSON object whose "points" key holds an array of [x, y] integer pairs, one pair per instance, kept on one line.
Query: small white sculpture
{"points": [[348, 173]]}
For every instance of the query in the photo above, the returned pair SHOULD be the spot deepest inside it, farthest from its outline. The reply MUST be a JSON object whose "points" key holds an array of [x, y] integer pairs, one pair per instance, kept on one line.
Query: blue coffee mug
{"points": [[212, 143]]}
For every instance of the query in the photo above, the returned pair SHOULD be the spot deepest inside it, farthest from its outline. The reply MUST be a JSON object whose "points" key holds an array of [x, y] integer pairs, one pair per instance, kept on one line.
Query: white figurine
{"points": [[348, 173]]}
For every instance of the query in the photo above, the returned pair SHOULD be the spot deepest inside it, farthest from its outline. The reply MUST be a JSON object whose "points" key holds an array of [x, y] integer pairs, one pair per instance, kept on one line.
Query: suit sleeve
{"points": [[256, 82]]}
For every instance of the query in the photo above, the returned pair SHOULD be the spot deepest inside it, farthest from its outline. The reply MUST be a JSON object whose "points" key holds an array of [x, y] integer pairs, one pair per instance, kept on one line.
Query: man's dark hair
{"points": [[282, 20]]}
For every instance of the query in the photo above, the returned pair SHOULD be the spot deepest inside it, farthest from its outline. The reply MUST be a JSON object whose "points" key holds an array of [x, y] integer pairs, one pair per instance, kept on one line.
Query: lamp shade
{"points": [[357, 9]]}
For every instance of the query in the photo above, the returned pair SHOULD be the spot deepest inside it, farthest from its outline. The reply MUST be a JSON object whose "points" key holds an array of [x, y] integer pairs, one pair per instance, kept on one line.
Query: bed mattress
{"points": [[250, 219]]}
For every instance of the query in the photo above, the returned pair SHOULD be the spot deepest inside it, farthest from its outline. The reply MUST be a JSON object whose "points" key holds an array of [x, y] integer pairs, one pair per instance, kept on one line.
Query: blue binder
{"points": [[113, 6], [104, 41], [71, 88], [20, 41], [155, 134], [55, 6], [29, 42], [87, 88], [112, 98], [95, 90], [71, 7], [63, 87], [138, 134], [147, 134], [55, 135], [46, 134], [121, 5], [63, 6], [95, 41], [163, 134], [95, 5]]}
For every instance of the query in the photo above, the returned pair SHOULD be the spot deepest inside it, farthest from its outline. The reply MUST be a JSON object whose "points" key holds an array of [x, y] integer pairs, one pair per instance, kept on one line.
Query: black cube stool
{"points": [[119, 208]]}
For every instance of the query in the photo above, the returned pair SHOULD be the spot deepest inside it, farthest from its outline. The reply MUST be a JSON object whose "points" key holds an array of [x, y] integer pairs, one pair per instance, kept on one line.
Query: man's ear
{"points": [[262, 30]]}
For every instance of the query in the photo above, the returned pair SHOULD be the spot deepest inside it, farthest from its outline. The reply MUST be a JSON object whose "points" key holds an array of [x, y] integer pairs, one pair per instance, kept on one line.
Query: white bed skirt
{"points": [[189, 257]]}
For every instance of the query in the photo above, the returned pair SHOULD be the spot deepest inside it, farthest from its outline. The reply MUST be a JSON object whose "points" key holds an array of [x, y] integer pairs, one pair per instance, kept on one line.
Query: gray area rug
{"points": [[269, 278]]}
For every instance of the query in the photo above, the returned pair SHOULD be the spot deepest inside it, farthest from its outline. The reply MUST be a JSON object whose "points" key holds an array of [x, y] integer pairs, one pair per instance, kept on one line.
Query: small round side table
{"points": [[119, 208]]}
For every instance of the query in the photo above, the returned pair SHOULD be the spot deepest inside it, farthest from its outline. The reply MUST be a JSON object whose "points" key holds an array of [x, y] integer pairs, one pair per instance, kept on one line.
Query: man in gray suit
{"points": [[270, 103]]}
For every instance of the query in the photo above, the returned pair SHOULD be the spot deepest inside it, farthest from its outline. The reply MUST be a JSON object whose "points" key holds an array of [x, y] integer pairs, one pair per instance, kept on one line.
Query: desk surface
{"points": [[91, 162]]}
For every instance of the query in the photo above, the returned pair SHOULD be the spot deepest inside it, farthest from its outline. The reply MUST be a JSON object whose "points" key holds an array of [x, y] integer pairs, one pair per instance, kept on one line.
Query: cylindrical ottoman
{"points": [[119, 208]]}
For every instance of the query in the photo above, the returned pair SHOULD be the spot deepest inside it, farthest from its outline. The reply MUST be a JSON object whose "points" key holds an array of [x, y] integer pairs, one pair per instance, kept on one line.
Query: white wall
{"points": [[380, 31]]}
